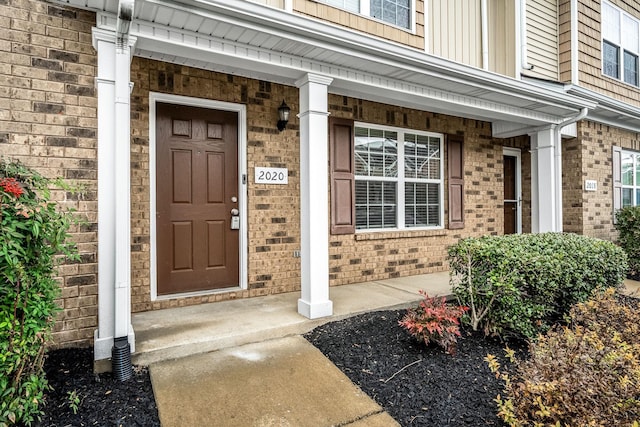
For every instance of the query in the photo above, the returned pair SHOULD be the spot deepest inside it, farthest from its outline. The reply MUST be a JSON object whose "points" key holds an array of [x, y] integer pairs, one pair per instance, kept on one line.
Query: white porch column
{"points": [[544, 181], [314, 197], [114, 218]]}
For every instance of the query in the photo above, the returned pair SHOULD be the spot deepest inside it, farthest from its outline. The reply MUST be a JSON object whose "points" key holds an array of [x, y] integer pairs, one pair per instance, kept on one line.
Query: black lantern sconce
{"points": [[283, 116]]}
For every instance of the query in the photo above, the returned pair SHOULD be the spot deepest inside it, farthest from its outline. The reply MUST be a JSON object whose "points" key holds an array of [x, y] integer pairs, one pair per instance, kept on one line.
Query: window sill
{"points": [[404, 234]]}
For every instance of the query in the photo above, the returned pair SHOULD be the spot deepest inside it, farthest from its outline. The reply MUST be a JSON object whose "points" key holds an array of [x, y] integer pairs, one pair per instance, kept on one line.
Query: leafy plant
{"points": [[33, 232], [434, 321], [73, 401], [521, 284], [584, 374], [628, 226]]}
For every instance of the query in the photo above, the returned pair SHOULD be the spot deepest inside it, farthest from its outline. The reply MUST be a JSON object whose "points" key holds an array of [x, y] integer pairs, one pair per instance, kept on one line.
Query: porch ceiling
{"points": [[249, 39]]}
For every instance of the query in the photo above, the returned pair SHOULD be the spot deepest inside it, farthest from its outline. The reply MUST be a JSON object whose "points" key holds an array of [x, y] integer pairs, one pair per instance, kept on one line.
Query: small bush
{"points": [[33, 231], [628, 226], [586, 374], [434, 321], [521, 284]]}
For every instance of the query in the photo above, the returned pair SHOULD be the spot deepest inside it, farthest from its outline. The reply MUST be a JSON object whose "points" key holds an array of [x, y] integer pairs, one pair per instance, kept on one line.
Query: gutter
{"points": [[484, 24], [121, 351]]}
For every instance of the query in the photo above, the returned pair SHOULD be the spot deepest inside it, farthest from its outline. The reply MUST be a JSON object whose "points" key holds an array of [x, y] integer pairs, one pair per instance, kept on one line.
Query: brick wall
{"points": [[595, 151], [274, 211], [375, 256], [48, 122]]}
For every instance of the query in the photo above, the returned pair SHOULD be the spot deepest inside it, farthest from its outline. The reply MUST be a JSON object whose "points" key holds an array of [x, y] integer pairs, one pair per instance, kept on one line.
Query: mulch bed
{"points": [[102, 400], [417, 385]]}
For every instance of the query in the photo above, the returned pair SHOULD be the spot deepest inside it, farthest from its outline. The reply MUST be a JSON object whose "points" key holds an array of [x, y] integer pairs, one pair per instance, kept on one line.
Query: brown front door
{"points": [[510, 195], [196, 191]]}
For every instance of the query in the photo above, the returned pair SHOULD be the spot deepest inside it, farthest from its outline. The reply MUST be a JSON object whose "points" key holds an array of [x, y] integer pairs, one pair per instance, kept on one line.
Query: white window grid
{"points": [[622, 32], [630, 178], [364, 7], [401, 181]]}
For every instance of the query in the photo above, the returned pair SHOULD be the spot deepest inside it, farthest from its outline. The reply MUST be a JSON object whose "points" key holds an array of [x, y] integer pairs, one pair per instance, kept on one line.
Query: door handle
{"points": [[235, 212]]}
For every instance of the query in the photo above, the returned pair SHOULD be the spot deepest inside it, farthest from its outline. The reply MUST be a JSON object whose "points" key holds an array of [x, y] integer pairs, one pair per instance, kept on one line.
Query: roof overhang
{"points": [[609, 111], [245, 38]]}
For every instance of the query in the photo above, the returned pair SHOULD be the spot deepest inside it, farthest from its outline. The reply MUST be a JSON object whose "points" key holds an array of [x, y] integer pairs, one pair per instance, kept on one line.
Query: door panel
{"points": [[197, 179], [510, 195]]}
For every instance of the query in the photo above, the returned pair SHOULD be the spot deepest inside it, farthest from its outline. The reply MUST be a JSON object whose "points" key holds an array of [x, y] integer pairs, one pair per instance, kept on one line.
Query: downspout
{"points": [[558, 163], [484, 24], [523, 37], [121, 352], [288, 6], [574, 42]]}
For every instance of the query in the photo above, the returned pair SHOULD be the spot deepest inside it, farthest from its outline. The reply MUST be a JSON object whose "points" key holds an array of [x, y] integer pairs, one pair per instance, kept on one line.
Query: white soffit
{"points": [[252, 40]]}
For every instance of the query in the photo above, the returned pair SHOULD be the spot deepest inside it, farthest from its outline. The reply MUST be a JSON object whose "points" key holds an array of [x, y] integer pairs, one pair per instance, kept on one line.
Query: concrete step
{"points": [[179, 332]]}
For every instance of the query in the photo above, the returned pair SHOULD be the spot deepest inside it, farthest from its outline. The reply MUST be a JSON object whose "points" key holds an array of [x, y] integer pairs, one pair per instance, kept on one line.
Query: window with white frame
{"points": [[630, 168], [620, 44], [395, 12], [398, 178]]}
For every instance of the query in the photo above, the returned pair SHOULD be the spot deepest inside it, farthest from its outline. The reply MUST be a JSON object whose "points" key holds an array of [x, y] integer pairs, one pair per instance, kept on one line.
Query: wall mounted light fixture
{"points": [[283, 116]]}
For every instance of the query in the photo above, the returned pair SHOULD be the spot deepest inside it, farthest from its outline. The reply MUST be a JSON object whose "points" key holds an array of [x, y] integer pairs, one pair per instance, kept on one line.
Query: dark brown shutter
{"points": [[617, 181], [455, 153], [343, 218]]}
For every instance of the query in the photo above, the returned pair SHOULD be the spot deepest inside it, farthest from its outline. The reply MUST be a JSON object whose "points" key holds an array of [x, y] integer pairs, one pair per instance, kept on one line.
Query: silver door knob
{"points": [[235, 212]]}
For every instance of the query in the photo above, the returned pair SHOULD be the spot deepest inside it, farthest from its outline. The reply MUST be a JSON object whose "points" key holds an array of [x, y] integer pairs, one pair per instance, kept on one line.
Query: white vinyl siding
{"points": [[542, 38]]}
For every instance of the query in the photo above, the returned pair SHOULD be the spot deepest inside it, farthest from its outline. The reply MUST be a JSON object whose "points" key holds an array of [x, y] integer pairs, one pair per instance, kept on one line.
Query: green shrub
{"points": [[33, 231], [587, 374], [520, 284], [434, 321], [628, 226]]}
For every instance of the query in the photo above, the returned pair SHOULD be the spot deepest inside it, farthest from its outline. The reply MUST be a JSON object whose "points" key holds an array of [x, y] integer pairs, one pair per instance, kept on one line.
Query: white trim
{"points": [[241, 109], [575, 72], [516, 152]]}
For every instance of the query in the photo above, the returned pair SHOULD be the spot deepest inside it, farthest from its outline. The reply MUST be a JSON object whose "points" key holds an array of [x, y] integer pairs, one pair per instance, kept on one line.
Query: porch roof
{"points": [[245, 38]]}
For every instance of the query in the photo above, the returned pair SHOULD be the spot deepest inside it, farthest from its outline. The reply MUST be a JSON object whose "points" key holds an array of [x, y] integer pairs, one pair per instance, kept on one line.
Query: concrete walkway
{"points": [[244, 363]]}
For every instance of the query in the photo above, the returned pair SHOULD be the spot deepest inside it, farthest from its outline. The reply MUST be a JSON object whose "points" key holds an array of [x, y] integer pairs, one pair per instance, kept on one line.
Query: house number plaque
{"points": [[272, 175]]}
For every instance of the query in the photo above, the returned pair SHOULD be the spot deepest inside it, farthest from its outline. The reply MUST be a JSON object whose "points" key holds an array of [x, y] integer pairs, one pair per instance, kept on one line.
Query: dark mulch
{"points": [[417, 385], [103, 401]]}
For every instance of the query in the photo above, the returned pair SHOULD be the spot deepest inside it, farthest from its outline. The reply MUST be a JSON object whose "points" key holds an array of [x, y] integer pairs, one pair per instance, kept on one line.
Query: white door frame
{"points": [[516, 152], [154, 98]]}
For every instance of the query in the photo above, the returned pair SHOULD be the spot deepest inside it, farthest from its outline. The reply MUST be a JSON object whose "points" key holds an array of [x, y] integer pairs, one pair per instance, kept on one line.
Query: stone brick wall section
{"points": [[375, 256], [274, 211], [597, 141], [48, 122]]}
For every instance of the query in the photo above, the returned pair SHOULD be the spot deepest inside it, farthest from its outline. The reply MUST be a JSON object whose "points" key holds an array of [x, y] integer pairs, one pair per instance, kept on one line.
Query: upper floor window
{"points": [[620, 44], [398, 178], [630, 165], [395, 12]]}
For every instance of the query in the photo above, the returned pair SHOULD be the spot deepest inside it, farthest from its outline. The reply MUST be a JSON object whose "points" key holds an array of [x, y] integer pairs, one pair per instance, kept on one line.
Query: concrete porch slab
{"points": [[283, 382], [179, 332]]}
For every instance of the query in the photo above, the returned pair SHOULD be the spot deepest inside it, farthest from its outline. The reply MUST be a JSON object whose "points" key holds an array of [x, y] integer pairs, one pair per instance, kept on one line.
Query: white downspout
{"points": [[574, 42], [523, 37], [558, 164], [122, 172], [484, 24], [288, 6]]}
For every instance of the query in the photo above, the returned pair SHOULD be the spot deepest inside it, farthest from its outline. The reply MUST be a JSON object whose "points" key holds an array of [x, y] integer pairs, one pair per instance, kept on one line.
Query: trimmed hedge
{"points": [[628, 226], [520, 284]]}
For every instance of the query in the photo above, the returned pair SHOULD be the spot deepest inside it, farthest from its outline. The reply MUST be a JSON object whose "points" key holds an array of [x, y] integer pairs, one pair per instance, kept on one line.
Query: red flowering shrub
{"points": [[11, 186], [434, 321]]}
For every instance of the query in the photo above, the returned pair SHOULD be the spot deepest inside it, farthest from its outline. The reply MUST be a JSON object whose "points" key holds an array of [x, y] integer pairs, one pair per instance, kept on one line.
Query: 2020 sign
{"points": [[271, 175]]}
